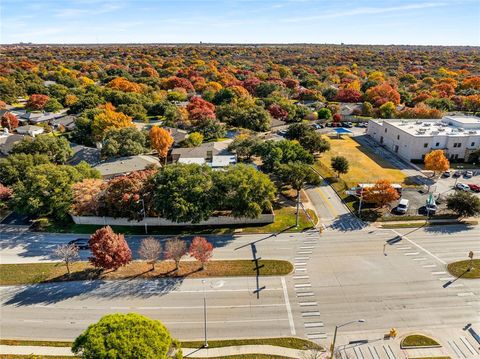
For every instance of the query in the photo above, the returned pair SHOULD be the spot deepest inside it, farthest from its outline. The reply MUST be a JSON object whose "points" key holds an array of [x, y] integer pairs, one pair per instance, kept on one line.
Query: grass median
{"points": [[418, 340], [31, 273], [461, 269]]}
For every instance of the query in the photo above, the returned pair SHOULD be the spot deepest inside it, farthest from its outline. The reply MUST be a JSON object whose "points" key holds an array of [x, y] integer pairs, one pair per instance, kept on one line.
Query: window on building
{"points": [[425, 145], [385, 130], [459, 145], [398, 137], [455, 145], [473, 144], [437, 144]]}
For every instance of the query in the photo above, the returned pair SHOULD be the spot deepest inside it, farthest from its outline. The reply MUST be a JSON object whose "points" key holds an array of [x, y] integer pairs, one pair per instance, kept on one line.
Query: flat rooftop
{"points": [[447, 126]]}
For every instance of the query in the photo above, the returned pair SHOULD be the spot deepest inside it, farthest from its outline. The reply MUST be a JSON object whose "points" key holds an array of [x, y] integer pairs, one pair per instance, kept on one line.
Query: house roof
{"points": [[7, 142], [28, 128], [177, 134], [125, 165], [277, 123], [83, 153], [217, 149], [66, 121]]}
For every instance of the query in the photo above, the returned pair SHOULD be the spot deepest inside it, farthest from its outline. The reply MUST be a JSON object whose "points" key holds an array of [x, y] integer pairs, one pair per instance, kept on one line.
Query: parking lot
{"points": [[441, 189]]}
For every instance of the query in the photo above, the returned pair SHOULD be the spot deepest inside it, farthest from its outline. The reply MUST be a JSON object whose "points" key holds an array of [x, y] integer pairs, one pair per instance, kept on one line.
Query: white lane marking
{"points": [[305, 294], [300, 270], [317, 336], [429, 266], [303, 285], [420, 247], [300, 264], [212, 306], [404, 247], [313, 325], [307, 304], [412, 253], [226, 321], [301, 258], [289, 308], [32, 321], [466, 294], [305, 252], [300, 277], [446, 278], [120, 308], [438, 273], [307, 247], [420, 259], [310, 314]]}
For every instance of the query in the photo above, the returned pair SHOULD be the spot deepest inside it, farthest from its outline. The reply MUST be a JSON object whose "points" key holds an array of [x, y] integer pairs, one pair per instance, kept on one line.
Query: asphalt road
{"points": [[340, 276]]}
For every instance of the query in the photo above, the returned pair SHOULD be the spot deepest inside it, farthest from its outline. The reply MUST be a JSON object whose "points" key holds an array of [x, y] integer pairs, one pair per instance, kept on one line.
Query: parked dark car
{"points": [[474, 187], [457, 174], [81, 243], [447, 174]]}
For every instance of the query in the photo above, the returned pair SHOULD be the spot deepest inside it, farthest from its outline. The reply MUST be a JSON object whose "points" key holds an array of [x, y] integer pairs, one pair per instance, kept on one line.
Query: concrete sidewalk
{"points": [[187, 352]]}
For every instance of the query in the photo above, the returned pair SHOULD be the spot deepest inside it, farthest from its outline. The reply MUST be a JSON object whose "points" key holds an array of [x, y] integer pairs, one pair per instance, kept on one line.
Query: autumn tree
{"points": [[86, 197], [175, 249], [161, 140], [200, 110], [10, 121], [67, 253], [436, 161], [37, 101], [150, 250], [122, 84], [339, 164], [380, 94], [108, 119], [109, 249], [348, 95], [380, 194], [201, 250]]}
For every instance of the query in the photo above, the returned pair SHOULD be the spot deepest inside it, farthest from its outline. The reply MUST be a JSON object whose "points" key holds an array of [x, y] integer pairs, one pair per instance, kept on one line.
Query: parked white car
{"points": [[468, 174], [403, 206], [462, 187]]}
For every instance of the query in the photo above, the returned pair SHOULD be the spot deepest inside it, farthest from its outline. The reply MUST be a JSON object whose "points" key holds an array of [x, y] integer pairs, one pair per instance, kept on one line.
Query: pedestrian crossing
{"points": [[344, 225], [310, 312], [464, 348], [367, 351]]}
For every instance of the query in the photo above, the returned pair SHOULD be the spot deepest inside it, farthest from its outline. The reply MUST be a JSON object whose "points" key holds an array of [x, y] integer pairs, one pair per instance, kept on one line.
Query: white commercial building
{"points": [[413, 139]]}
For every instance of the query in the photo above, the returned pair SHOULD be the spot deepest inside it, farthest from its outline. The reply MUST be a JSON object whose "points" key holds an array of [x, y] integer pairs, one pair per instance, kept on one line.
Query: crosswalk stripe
{"points": [[305, 294], [307, 304], [305, 252], [303, 285], [301, 277], [310, 314], [469, 346], [313, 325]]}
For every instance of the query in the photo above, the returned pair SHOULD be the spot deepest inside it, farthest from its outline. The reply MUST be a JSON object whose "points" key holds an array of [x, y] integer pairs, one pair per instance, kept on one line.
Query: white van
{"points": [[403, 206]]}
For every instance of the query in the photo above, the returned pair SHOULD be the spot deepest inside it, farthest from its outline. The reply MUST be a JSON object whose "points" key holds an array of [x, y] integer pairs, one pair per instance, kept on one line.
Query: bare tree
{"points": [[175, 249], [68, 253], [150, 250]]}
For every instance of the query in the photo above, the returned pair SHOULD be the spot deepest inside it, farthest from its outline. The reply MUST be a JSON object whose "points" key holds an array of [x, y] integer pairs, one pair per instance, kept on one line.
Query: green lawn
{"points": [[294, 343], [418, 340], [30, 273], [285, 220], [460, 269]]}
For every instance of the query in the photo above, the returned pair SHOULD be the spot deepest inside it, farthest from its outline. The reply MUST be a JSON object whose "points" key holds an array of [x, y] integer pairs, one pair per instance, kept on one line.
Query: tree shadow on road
{"points": [[453, 229], [51, 293]]}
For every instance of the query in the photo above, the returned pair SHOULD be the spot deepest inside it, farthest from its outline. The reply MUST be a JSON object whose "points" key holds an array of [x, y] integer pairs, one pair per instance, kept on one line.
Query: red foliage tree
{"points": [[251, 84], [174, 82], [200, 110], [380, 94], [37, 101], [5, 193], [277, 112], [348, 95], [337, 117], [109, 249], [201, 250], [10, 121]]}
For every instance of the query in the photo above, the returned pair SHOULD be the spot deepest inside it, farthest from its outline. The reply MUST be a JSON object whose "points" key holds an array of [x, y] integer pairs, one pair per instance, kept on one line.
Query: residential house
{"points": [[125, 165], [30, 130], [67, 122], [7, 140], [83, 153], [213, 154]]}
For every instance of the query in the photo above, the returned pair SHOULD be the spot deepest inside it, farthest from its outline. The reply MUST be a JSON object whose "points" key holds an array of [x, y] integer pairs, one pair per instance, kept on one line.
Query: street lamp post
{"points": [[360, 204], [336, 329]]}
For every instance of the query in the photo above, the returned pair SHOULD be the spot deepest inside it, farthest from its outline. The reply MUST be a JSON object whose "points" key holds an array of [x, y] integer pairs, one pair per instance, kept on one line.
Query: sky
{"points": [[408, 22]]}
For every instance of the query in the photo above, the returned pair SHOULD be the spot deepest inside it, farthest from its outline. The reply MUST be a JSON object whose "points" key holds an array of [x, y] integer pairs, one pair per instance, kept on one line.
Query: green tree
{"points": [[387, 110], [244, 191], [183, 193], [274, 153], [56, 148], [340, 165], [311, 140], [297, 175], [245, 114], [15, 167], [464, 204], [244, 147], [324, 113], [211, 129], [126, 336], [194, 139], [46, 191], [53, 105], [128, 141], [134, 110]]}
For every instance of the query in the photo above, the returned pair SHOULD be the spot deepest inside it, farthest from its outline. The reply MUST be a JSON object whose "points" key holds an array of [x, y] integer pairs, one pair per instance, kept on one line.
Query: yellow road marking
{"points": [[329, 205]]}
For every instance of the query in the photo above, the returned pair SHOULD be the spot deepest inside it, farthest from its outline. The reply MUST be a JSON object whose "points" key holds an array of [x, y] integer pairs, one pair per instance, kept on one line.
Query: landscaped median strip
{"points": [[31, 273], [269, 347]]}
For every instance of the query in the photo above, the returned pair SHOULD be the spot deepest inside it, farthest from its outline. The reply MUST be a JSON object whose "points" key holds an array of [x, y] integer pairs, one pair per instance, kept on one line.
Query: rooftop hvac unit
{"points": [[418, 122], [472, 132], [441, 130]]}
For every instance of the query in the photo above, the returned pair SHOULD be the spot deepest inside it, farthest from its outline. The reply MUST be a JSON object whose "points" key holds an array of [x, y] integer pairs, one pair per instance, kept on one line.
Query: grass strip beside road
{"points": [[31, 273], [286, 342], [285, 220], [418, 340], [460, 269]]}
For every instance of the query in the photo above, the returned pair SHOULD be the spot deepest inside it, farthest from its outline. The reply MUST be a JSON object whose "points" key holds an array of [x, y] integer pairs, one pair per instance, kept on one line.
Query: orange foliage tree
{"points": [[380, 194], [122, 84], [10, 121], [107, 119], [436, 161], [110, 250], [380, 94], [161, 140], [37, 101]]}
